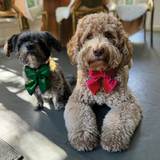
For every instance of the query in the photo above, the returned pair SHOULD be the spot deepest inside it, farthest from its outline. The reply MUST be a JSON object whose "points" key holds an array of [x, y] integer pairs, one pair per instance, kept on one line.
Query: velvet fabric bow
{"points": [[106, 76], [38, 77]]}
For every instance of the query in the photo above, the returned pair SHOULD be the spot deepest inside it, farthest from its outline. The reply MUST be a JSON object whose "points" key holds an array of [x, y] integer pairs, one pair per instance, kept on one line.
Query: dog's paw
{"points": [[39, 106], [70, 79], [113, 145], [85, 145], [84, 141], [115, 141], [59, 106]]}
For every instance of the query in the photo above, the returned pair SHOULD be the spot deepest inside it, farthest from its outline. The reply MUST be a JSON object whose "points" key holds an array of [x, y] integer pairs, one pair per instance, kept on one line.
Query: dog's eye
{"points": [[21, 43], [89, 37], [107, 35]]}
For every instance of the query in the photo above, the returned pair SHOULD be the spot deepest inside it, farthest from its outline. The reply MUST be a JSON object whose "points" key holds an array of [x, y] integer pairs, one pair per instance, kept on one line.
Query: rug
{"points": [[130, 12], [8, 153]]}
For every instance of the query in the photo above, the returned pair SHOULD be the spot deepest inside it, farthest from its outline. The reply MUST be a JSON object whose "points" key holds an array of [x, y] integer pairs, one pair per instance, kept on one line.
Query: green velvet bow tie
{"points": [[38, 77]]}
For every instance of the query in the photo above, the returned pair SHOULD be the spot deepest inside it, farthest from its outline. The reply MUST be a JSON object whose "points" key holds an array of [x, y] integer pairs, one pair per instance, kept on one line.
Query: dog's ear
{"points": [[52, 42], [125, 46], [10, 45], [73, 47]]}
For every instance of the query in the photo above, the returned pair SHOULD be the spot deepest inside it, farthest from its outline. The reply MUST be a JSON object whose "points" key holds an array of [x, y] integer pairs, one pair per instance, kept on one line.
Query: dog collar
{"points": [[108, 82]]}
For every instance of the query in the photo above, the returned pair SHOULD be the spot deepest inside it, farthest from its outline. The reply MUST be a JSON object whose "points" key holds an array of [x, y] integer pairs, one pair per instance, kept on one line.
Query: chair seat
{"points": [[10, 12], [130, 12]]}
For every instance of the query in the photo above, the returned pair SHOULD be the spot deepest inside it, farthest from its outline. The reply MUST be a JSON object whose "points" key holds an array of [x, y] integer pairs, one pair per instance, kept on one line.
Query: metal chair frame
{"points": [[151, 9], [23, 23]]}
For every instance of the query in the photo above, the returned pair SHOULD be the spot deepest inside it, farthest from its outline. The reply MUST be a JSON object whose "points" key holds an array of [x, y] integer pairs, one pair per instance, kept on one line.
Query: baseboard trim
{"points": [[155, 28]]}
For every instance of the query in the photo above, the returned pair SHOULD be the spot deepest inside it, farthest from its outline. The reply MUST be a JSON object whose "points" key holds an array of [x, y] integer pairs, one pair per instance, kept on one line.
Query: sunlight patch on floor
{"points": [[10, 76]]}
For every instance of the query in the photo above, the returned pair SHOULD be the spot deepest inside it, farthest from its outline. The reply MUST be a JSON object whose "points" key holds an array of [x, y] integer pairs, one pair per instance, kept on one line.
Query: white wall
{"points": [[156, 24]]}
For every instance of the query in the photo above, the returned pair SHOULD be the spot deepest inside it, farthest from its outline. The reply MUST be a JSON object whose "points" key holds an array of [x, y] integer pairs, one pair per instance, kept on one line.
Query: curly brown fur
{"points": [[100, 43], [34, 49]]}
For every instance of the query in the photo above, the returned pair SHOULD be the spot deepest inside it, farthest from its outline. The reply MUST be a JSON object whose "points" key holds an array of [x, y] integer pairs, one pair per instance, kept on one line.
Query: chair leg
{"points": [[45, 15], [144, 26], [73, 22], [152, 14], [114, 13], [23, 22], [105, 11], [118, 18], [60, 31]]}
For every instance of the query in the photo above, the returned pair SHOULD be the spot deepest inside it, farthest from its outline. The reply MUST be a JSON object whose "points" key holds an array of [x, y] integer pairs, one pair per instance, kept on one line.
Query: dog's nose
{"points": [[98, 52], [29, 46]]}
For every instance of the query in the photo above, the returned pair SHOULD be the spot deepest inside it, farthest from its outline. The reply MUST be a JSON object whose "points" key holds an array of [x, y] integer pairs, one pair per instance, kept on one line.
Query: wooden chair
{"points": [[87, 7], [150, 7], [2, 5], [20, 10], [14, 12], [29, 12], [81, 8]]}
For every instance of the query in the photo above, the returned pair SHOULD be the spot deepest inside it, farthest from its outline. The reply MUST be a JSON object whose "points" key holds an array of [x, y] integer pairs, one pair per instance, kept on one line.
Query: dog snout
{"points": [[98, 52], [29, 46]]}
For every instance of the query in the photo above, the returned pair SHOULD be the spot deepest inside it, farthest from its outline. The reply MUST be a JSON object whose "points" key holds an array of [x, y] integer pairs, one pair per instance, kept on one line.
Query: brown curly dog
{"points": [[101, 44]]}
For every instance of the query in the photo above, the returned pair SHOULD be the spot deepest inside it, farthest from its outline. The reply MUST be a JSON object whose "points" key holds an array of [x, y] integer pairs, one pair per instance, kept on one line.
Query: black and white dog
{"points": [[43, 77]]}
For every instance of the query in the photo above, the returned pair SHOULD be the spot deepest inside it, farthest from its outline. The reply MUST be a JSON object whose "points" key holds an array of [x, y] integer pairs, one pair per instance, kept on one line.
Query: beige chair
{"points": [[134, 25], [78, 8]]}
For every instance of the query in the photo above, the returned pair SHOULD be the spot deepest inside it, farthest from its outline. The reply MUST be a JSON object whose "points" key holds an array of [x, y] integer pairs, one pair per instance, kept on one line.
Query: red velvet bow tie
{"points": [[108, 82]]}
